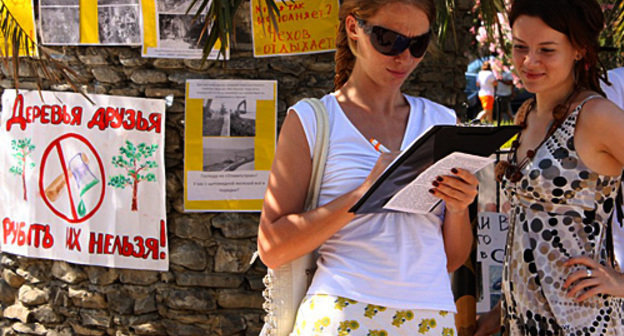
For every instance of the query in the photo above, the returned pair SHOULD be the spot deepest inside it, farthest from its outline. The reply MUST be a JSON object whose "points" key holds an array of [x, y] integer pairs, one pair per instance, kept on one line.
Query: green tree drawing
{"points": [[22, 148], [129, 159]]}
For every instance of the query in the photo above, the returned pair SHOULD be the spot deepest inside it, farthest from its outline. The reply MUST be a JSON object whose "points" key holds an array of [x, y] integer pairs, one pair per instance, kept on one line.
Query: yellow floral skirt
{"points": [[334, 315]]}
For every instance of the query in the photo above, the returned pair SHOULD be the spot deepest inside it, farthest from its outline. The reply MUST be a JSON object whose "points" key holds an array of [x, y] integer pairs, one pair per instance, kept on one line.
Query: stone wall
{"points": [[211, 287]]}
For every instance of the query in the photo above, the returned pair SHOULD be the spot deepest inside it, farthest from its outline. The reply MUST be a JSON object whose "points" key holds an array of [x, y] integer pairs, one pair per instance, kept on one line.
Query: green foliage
{"points": [[21, 149], [22, 145], [130, 158], [220, 17], [119, 181], [17, 170]]}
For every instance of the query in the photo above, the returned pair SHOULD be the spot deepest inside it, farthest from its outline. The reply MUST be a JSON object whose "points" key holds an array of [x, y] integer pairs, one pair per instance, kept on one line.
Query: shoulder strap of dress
{"points": [[580, 105]]}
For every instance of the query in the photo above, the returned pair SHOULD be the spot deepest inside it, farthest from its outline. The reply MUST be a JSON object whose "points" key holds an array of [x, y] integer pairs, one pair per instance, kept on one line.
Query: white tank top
{"points": [[392, 259]]}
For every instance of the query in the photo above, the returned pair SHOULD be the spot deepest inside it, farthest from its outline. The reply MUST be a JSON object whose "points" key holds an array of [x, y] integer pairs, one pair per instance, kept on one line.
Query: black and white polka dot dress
{"points": [[559, 210]]}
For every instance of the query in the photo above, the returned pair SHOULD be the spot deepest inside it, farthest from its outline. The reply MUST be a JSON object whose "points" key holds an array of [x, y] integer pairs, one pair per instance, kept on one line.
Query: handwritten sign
{"points": [[86, 181], [492, 228], [305, 27]]}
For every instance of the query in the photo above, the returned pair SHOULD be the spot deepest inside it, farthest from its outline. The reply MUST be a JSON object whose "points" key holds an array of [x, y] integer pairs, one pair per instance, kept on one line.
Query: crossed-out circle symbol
{"points": [[56, 145]]}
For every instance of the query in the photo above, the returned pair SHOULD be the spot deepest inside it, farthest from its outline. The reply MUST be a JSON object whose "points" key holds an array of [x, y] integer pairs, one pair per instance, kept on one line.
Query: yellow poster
{"points": [[304, 27], [229, 143], [90, 22], [170, 32], [22, 11]]}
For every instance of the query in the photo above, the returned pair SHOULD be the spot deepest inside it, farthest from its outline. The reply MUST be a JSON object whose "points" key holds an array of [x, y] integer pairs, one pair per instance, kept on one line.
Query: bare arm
{"points": [[599, 137], [457, 190], [286, 232]]}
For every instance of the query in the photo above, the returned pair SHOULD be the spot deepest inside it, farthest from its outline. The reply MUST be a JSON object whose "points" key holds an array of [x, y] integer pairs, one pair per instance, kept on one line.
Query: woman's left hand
{"points": [[457, 190], [595, 279]]}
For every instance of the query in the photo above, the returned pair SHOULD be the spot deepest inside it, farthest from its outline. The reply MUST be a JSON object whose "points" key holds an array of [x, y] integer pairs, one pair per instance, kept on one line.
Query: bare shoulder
{"points": [[601, 112]]}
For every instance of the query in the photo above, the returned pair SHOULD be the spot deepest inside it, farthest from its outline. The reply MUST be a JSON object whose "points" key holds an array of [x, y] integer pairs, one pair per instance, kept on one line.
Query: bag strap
{"points": [[319, 156]]}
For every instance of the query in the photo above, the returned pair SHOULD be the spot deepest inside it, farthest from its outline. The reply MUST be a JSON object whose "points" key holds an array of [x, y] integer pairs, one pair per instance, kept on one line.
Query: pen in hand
{"points": [[378, 146]]}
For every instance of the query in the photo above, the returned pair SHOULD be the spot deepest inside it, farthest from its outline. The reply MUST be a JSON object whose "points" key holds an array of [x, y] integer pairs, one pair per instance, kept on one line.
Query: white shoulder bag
{"points": [[286, 286]]}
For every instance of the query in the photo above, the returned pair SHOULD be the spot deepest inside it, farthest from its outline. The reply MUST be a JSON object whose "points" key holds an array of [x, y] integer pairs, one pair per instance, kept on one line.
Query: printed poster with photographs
{"points": [[305, 27], [23, 12], [83, 181], [169, 32], [230, 136], [80, 22]]}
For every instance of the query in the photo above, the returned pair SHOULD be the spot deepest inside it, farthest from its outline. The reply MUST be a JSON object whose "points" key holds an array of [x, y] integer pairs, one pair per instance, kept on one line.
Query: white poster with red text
{"points": [[83, 181]]}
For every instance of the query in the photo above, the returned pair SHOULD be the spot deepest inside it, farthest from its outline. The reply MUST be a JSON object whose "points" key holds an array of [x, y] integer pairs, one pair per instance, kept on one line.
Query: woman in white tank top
{"points": [[378, 274]]}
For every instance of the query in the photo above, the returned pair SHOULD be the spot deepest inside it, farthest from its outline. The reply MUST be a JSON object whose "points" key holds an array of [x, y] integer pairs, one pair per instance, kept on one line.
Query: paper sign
{"points": [[83, 182], [304, 27]]}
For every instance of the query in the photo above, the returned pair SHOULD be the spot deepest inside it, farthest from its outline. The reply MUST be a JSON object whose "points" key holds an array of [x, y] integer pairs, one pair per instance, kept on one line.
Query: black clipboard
{"points": [[436, 143]]}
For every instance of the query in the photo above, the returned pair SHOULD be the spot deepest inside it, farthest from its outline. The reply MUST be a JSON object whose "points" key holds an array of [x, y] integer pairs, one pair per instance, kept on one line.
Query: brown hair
{"points": [[581, 21], [364, 9]]}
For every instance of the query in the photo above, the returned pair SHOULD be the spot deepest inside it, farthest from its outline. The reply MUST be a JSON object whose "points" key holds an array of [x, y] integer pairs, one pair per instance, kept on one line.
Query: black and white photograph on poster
{"points": [[60, 21], [175, 6], [231, 117], [119, 22], [243, 118], [180, 31], [177, 33], [228, 154]]}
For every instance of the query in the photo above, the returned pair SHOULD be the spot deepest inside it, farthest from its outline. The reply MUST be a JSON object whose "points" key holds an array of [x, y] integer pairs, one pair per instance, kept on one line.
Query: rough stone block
{"points": [[64, 272], [234, 256], [236, 298], [46, 314], [193, 279], [194, 299], [11, 278], [17, 311], [32, 296], [187, 253], [95, 318], [237, 226], [85, 299], [145, 76]]}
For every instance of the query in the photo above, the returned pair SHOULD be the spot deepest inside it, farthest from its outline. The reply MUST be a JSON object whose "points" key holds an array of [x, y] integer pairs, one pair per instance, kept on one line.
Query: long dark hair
{"points": [[364, 9], [581, 21]]}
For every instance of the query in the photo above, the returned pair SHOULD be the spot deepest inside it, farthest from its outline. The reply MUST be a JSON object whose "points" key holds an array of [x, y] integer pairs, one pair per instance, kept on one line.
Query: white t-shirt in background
{"points": [[486, 81]]}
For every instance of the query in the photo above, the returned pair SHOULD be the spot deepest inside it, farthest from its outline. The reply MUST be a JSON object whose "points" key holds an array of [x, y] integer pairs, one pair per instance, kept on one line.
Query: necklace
{"points": [[512, 169]]}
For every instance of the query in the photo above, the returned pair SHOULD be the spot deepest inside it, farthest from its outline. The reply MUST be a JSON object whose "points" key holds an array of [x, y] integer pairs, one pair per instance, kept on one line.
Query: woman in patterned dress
{"points": [[562, 175], [382, 274]]}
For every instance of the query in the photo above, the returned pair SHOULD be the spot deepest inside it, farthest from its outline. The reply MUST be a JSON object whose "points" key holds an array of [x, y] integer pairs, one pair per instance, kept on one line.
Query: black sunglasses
{"points": [[391, 43]]}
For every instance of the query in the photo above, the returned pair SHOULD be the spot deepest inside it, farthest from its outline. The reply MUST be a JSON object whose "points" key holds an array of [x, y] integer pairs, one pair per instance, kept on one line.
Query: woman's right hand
{"points": [[382, 163]]}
